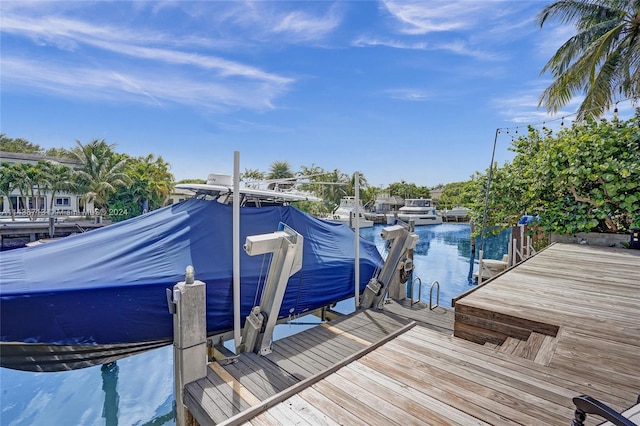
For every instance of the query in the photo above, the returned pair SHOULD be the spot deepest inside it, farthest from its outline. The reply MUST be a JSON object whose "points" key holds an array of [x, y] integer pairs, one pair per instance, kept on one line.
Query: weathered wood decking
{"points": [[249, 379], [564, 323]]}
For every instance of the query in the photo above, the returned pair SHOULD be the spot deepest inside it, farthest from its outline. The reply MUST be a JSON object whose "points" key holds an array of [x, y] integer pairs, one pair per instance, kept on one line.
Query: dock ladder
{"points": [[435, 284]]}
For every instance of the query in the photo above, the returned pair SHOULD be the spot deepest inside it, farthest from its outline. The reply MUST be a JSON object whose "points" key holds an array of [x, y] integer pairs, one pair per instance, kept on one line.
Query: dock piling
{"points": [[189, 337]]}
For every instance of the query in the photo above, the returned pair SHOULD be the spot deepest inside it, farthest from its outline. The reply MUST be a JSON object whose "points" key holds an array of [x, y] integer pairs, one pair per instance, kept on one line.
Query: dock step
{"points": [[537, 347]]}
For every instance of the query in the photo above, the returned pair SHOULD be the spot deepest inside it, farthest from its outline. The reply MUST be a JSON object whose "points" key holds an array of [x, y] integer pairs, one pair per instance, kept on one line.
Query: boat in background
{"points": [[419, 210], [345, 213], [96, 297], [457, 213], [220, 188]]}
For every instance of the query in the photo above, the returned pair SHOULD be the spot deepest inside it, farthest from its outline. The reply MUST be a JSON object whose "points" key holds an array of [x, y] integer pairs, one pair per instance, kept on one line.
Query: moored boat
{"points": [[95, 297], [346, 213], [418, 210]]}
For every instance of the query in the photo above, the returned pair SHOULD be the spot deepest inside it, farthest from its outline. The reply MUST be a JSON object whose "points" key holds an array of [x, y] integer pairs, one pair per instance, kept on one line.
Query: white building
{"points": [[64, 203]]}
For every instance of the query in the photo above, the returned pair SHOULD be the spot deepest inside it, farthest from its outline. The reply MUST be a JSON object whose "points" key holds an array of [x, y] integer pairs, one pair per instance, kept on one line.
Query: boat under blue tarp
{"points": [[108, 286]]}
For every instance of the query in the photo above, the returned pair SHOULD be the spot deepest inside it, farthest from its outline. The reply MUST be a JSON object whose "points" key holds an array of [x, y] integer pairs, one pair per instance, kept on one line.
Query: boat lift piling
{"points": [[187, 303]]}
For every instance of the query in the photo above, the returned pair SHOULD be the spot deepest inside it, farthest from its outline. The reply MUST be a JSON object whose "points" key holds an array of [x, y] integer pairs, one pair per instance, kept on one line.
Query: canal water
{"points": [[139, 390]]}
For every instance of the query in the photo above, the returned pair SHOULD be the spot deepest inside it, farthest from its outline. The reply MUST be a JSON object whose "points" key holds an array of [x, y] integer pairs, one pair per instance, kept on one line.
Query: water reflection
{"points": [[111, 397], [135, 391], [443, 254]]}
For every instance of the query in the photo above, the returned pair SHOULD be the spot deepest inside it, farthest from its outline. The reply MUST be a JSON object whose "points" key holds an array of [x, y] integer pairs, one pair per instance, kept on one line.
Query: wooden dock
{"points": [[43, 229], [565, 322]]}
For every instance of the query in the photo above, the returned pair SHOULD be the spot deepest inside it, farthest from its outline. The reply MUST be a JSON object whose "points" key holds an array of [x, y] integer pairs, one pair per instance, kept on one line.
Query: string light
{"points": [[561, 119]]}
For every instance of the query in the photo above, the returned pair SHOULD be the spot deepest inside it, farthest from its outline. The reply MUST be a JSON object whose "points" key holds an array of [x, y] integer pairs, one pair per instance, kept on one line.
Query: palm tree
{"points": [[101, 172], [151, 181], [280, 170], [8, 183], [602, 61], [57, 177], [29, 181], [252, 177]]}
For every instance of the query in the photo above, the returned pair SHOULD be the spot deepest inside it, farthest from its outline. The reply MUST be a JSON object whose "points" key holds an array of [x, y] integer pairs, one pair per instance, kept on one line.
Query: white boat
{"points": [[418, 210], [345, 213], [457, 213], [220, 187]]}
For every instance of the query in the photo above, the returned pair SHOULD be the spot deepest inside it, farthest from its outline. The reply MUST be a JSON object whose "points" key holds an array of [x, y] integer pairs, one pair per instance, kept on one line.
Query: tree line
{"points": [[110, 180], [117, 182], [329, 185]]}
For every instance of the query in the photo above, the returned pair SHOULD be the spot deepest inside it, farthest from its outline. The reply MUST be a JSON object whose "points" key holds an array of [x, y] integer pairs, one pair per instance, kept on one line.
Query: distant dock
{"points": [[563, 323], [35, 230]]}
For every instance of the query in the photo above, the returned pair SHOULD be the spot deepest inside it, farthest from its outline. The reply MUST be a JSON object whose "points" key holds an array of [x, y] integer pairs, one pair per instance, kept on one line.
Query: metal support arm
{"points": [[402, 240], [286, 246]]}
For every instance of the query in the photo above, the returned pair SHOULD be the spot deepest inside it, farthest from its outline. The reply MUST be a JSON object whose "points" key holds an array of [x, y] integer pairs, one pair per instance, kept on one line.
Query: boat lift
{"points": [[286, 246], [402, 240]]}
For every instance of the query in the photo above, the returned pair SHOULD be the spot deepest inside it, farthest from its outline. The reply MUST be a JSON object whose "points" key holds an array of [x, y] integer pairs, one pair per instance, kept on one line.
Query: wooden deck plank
{"points": [[459, 367], [547, 349], [458, 399], [432, 410], [518, 369], [593, 295], [264, 419], [340, 340], [224, 396], [359, 407], [302, 353], [335, 412], [509, 346], [257, 383], [324, 352], [576, 313], [274, 375], [372, 395], [503, 399], [309, 412], [328, 342], [286, 415], [237, 387]]}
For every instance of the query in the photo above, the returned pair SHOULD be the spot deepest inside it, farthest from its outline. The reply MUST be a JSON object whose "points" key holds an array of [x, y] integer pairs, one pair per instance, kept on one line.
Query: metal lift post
{"points": [[286, 246], [402, 241]]}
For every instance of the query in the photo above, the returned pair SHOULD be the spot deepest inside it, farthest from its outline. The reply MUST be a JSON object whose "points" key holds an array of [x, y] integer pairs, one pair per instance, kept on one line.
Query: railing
{"points": [[431, 305], [413, 301]]}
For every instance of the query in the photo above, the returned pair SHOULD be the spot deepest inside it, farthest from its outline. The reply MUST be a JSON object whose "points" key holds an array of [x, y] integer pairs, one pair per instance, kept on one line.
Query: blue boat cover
{"points": [[108, 286]]}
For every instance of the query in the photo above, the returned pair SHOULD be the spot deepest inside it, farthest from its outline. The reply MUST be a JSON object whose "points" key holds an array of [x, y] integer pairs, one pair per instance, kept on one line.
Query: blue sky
{"points": [[408, 91]]}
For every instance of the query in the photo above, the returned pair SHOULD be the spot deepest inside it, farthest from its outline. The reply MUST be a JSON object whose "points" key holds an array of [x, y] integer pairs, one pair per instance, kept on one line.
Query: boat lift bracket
{"points": [[401, 240], [286, 245]]}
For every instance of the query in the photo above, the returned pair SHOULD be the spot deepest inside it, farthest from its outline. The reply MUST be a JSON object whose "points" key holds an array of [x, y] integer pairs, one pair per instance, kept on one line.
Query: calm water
{"points": [[139, 390]]}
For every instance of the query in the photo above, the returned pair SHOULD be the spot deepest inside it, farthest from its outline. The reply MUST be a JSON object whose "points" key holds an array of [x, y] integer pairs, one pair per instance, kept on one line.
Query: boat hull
{"points": [[41, 357], [418, 219]]}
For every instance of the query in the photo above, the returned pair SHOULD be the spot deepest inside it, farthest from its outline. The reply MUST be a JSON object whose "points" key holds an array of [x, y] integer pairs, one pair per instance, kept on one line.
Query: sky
{"points": [[396, 90]]}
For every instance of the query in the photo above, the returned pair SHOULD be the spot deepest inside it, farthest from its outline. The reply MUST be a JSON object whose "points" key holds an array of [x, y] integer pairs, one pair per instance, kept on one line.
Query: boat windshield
{"points": [[419, 202]]}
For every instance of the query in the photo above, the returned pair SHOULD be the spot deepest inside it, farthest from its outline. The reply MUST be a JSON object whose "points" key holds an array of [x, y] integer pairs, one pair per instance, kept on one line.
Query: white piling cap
{"points": [[189, 275]]}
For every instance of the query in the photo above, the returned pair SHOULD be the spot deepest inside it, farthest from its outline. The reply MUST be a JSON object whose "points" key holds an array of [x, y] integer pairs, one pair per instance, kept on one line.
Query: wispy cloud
{"points": [[414, 95], [141, 65], [420, 17], [522, 107], [364, 41], [303, 26], [118, 85], [287, 23], [459, 47], [460, 27]]}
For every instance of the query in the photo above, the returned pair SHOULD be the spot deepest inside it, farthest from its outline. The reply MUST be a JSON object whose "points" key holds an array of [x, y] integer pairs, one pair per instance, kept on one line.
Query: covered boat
{"points": [[96, 297]]}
